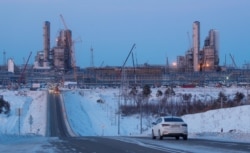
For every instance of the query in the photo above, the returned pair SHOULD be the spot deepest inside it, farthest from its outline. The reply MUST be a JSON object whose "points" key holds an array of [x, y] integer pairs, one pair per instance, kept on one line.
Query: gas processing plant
{"points": [[59, 57], [198, 66], [197, 59]]}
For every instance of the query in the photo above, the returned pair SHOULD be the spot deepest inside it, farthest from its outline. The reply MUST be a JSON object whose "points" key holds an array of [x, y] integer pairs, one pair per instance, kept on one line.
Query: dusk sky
{"points": [[159, 28]]}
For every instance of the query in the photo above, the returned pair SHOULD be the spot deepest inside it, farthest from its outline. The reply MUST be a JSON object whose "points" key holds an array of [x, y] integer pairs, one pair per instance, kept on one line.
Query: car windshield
{"points": [[173, 119]]}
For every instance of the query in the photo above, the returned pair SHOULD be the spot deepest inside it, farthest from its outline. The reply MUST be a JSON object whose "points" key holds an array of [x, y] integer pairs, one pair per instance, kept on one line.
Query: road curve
{"points": [[58, 128]]}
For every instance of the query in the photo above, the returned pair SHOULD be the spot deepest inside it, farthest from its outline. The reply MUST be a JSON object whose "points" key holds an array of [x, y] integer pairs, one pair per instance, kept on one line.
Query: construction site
{"points": [[198, 67]]}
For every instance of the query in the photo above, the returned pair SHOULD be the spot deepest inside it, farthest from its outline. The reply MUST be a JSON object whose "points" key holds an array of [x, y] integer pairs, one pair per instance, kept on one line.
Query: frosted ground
{"points": [[101, 118], [89, 118]]}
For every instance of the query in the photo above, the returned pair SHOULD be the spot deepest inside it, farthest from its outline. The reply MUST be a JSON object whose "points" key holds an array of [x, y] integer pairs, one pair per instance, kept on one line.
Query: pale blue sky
{"points": [[158, 27]]}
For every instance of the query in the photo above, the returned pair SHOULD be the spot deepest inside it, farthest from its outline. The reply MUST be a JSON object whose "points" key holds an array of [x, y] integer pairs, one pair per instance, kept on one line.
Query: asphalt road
{"points": [[68, 144], [57, 126], [197, 145]]}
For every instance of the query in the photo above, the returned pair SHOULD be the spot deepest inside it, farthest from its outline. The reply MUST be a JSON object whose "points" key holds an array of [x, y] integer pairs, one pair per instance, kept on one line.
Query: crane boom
{"points": [[24, 69], [235, 66], [128, 55], [130, 52], [134, 67], [64, 23]]}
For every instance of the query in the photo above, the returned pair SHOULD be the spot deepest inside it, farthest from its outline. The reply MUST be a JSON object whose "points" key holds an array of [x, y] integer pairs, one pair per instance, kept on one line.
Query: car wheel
{"points": [[159, 134], [185, 137], [153, 136], [177, 137]]}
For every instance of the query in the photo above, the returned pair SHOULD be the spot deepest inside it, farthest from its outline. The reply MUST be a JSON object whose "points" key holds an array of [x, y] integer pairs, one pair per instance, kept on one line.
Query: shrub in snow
{"points": [[169, 92], [4, 106], [100, 101], [133, 92], [159, 93], [238, 97], [171, 103], [146, 91], [187, 97], [222, 96]]}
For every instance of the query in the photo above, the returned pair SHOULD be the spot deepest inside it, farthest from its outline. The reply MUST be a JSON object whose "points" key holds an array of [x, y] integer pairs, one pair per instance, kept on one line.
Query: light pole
{"points": [[221, 102], [140, 117], [123, 77], [227, 78], [119, 119]]}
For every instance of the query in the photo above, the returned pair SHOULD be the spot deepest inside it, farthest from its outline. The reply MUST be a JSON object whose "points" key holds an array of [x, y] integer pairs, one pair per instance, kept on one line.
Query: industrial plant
{"points": [[58, 57], [197, 59], [198, 66]]}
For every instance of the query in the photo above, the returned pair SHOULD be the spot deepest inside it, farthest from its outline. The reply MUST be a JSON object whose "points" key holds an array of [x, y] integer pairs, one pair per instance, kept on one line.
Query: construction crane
{"points": [[123, 84], [134, 67], [122, 68], [21, 78], [72, 53], [101, 64], [64, 23], [235, 66], [128, 55]]}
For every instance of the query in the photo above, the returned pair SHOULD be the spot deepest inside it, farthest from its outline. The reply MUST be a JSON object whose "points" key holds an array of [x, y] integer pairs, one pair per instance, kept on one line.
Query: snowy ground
{"points": [[100, 118], [33, 108], [89, 118]]}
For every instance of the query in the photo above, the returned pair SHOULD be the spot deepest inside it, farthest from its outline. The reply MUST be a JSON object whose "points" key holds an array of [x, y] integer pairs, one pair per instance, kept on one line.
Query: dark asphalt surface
{"points": [[68, 144], [83, 144], [56, 120]]}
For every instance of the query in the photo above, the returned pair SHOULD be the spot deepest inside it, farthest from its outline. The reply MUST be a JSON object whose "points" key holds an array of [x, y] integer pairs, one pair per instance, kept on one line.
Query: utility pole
{"points": [[19, 113], [119, 104], [140, 117], [30, 122], [221, 102]]}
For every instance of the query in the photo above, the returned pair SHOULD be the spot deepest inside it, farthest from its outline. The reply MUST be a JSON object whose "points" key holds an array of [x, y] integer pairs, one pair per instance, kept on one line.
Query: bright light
{"points": [[174, 64]]}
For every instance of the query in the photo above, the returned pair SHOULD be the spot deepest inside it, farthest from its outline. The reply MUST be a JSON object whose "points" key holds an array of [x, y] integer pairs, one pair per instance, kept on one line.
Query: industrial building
{"points": [[196, 45], [199, 66], [197, 59], [59, 57]]}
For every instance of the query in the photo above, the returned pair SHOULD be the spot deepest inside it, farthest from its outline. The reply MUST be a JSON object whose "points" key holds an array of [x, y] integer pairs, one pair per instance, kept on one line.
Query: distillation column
{"points": [[46, 42], [196, 45]]}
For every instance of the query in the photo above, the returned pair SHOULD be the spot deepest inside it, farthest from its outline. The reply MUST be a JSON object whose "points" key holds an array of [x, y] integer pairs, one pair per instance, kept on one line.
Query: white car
{"points": [[170, 126]]}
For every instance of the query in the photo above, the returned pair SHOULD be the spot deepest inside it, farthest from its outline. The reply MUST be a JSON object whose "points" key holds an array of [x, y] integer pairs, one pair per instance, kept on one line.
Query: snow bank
{"points": [[90, 118], [33, 104]]}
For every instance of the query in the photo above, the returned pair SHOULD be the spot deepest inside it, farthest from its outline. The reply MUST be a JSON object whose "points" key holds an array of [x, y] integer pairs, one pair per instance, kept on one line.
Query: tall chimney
{"points": [[46, 41], [196, 45]]}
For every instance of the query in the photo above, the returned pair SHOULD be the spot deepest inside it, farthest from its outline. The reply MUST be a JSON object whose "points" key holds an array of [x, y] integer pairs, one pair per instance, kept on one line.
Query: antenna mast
{"points": [[92, 57], [4, 58]]}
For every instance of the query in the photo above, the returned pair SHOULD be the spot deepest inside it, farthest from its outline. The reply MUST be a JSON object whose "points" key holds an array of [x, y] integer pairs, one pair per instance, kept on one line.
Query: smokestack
{"points": [[196, 45], [46, 41]]}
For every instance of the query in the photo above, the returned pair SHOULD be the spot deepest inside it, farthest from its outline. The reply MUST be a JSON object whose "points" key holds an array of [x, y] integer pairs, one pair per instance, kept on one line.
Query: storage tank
{"points": [[11, 65]]}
